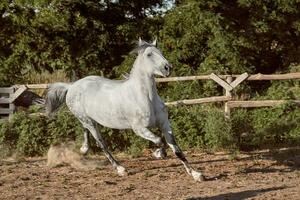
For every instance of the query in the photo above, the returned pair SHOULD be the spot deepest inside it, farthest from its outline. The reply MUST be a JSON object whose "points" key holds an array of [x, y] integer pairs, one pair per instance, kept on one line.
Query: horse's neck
{"points": [[143, 83]]}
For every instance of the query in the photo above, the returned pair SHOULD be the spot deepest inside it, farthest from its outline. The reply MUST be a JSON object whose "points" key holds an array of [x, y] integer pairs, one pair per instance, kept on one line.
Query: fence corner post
{"points": [[12, 106], [228, 94]]}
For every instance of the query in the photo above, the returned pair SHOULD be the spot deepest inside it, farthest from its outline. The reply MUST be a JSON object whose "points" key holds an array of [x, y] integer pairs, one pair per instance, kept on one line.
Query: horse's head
{"points": [[153, 60]]}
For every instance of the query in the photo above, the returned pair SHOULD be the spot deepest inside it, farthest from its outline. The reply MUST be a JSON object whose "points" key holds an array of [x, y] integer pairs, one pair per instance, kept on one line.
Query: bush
{"points": [[199, 127], [30, 134], [218, 130], [267, 127], [33, 134], [242, 128], [276, 126], [187, 124]]}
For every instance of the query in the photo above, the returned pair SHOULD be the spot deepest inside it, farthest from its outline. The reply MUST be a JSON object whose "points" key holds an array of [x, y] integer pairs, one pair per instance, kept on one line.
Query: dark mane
{"points": [[141, 48]]}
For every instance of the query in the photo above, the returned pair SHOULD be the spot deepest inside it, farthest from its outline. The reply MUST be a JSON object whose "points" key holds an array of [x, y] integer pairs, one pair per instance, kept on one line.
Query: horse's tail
{"points": [[56, 96]]}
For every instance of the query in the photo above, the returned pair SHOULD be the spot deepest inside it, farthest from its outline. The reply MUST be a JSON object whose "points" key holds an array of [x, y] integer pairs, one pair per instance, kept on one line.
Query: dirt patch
{"points": [[256, 175], [66, 154]]}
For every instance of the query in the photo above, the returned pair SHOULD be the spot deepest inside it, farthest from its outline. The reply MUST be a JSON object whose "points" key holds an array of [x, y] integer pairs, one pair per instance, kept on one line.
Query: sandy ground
{"points": [[255, 175]]}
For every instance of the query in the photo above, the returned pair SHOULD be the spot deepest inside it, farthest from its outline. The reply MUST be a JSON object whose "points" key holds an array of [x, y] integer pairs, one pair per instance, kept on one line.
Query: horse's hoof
{"points": [[84, 150], [160, 153], [197, 176], [122, 171]]}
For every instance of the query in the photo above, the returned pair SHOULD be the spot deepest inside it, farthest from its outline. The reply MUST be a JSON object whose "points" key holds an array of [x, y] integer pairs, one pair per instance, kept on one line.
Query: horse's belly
{"points": [[120, 113], [124, 121], [117, 124], [110, 120]]}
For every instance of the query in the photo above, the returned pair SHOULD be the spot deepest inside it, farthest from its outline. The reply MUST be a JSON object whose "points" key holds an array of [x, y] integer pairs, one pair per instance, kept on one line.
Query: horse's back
{"points": [[93, 83], [99, 99]]}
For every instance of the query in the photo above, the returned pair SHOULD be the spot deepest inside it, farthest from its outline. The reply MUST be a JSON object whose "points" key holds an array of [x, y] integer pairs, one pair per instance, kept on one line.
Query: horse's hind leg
{"points": [[74, 103], [89, 125], [85, 145], [148, 135]]}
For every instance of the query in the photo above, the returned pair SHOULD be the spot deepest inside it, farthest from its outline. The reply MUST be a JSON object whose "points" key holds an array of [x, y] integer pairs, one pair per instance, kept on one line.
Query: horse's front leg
{"points": [[167, 131]]}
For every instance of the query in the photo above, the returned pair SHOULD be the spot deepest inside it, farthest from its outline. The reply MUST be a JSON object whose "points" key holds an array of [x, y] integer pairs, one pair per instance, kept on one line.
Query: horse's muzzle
{"points": [[167, 68]]}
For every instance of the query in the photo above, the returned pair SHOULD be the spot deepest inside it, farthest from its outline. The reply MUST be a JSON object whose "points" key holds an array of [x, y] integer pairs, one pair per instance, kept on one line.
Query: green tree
{"points": [[84, 36], [232, 36]]}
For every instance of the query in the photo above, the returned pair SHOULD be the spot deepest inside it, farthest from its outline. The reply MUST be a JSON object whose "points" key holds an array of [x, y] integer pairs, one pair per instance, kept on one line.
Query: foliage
{"points": [[218, 130], [76, 36], [267, 127], [277, 126], [188, 129], [62, 40], [200, 127], [31, 134], [236, 37], [201, 37]]}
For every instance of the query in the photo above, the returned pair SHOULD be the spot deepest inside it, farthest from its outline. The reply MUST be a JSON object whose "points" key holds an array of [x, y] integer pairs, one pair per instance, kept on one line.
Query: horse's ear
{"points": [[140, 41], [154, 43]]}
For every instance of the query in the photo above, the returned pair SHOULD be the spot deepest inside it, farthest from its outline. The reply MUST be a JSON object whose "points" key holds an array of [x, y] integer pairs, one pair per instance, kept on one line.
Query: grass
{"points": [[46, 77]]}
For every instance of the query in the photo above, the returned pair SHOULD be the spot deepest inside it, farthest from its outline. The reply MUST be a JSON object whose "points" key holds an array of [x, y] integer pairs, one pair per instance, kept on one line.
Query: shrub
{"points": [[200, 127], [242, 128], [187, 124], [33, 134], [277, 126], [266, 127], [30, 134], [217, 130]]}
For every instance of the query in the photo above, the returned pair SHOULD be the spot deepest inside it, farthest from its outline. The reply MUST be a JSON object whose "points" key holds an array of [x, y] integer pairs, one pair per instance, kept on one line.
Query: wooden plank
{"points": [[198, 101], [38, 114], [6, 111], [182, 78], [221, 82], [5, 100], [254, 77], [18, 92], [37, 86], [261, 77], [254, 104], [6, 90], [239, 79]]}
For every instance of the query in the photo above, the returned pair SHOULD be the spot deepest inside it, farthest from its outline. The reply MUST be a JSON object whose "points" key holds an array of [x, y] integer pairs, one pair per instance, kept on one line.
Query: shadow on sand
{"points": [[238, 195], [289, 157]]}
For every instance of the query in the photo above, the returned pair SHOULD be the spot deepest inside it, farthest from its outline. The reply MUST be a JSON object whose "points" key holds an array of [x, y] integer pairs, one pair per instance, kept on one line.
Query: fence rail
{"points": [[228, 82], [261, 103], [6, 105], [254, 77], [198, 101]]}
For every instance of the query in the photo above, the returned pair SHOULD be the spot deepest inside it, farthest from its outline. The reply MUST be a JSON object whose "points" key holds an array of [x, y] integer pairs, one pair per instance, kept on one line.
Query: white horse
{"points": [[122, 104]]}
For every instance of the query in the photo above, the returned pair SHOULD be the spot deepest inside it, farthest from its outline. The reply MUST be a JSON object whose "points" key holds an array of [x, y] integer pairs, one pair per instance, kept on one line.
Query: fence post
{"points": [[6, 104], [228, 94], [12, 106]]}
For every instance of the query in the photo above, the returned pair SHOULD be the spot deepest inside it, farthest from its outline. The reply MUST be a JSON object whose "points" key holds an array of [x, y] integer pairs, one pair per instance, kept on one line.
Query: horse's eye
{"points": [[149, 54]]}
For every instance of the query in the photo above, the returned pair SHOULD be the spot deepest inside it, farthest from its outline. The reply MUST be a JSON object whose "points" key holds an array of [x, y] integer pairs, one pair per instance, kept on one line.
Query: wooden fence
{"points": [[7, 107], [228, 82], [7, 97]]}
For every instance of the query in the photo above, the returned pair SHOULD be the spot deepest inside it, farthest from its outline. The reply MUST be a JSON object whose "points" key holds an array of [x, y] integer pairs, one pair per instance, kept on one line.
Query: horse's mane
{"points": [[141, 47]]}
